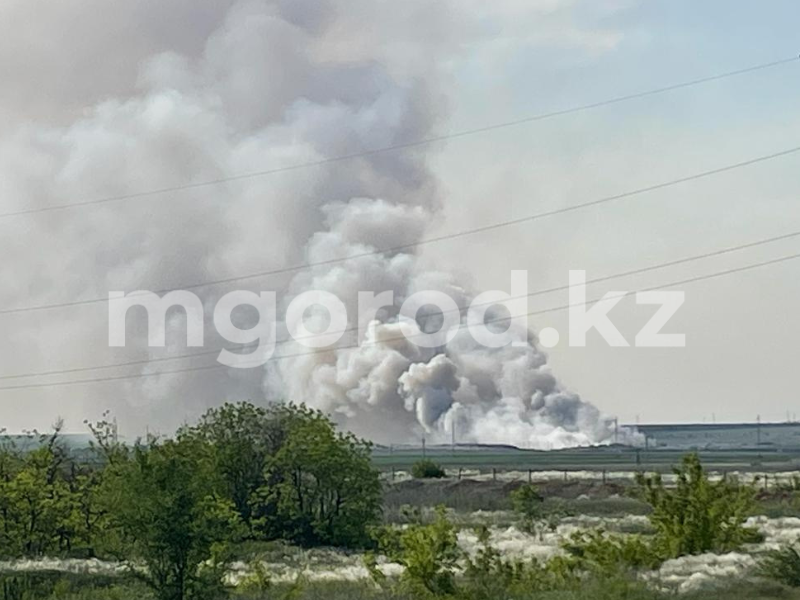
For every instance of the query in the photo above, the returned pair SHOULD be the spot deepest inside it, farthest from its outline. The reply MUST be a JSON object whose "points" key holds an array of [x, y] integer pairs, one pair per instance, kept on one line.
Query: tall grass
{"points": [[60, 587]]}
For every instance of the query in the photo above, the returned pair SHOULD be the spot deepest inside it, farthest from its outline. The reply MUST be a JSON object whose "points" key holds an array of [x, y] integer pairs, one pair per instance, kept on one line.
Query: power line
{"points": [[638, 271], [404, 337], [403, 145], [440, 238]]}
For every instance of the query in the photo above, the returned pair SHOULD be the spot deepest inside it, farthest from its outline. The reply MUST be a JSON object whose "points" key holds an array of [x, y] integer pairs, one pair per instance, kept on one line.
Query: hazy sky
{"points": [[103, 98], [741, 330]]}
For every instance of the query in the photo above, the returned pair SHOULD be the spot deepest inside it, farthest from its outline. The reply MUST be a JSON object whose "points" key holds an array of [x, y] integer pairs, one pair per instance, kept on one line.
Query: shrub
{"points": [[436, 568], [488, 575], [427, 469], [596, 551], [783, 566], [429, 553], [527, 501], [697, 515]]}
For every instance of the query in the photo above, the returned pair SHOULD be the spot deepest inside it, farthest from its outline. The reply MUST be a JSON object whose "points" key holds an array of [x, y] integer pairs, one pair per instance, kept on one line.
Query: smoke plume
{"points": [[246, 86], [391, 389]]}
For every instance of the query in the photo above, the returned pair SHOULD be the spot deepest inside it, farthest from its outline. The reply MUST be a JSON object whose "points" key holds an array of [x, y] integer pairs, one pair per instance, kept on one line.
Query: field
{"points": [[744, 447], [557, 525], [574, 462], [581, 505]]}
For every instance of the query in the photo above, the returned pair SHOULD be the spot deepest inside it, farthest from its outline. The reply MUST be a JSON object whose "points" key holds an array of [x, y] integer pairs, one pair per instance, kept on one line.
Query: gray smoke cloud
{"points": [[124, 103], [391, 389]]}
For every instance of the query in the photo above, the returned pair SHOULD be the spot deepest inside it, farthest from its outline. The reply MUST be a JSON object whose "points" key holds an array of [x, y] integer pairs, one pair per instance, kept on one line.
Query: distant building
{"points": [[721, 435]]}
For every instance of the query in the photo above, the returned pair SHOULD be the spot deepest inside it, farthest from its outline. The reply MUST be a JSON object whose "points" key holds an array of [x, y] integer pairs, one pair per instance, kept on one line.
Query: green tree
{"points": [[11, 463], [697, 515], [321, 486], [172, 521], [35, 498], [88, 521], [242, 437], [289, 474]]}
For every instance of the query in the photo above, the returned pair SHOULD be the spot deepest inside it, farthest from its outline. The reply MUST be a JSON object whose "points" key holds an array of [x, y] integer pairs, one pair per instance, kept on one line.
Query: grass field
{"points": [[329, 573], [583, 489], [738, 446], [57, 587], [615, 461]]}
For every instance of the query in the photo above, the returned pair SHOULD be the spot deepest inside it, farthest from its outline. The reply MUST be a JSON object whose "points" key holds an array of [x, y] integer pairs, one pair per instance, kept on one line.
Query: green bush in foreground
{"points": [[697, 515], [436, 567], [527, 501], [597, 551], [428, 553], [783, 566], [536, 516], [427, 469], [19, 587]]}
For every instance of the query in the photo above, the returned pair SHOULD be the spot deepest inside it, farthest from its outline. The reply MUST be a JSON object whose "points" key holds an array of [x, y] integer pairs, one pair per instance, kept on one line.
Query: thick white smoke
{"points": [[160, 94], [391, 389]]}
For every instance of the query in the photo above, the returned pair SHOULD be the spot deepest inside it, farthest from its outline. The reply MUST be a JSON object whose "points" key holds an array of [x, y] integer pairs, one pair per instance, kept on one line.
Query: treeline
{"points": [[171, 508]]}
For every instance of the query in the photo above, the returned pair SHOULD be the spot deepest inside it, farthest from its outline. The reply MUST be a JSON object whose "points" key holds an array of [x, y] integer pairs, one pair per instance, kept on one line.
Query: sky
{"points": [[104, 98], [740, 330]]}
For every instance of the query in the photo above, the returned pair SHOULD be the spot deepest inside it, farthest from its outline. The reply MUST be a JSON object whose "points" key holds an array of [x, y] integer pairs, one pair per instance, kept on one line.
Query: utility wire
{"points": [[638, 271], [404, 337], [403, 145], [440, 238]]}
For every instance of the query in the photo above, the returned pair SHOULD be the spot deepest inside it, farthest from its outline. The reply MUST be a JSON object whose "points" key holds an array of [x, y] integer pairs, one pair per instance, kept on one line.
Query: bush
{"points": [[69, 586], [783, 566], [488, 575], [697, 515], [427, 469], [527, 501], [595, 551], [429, 553], [692, 517], [435, 566]]}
